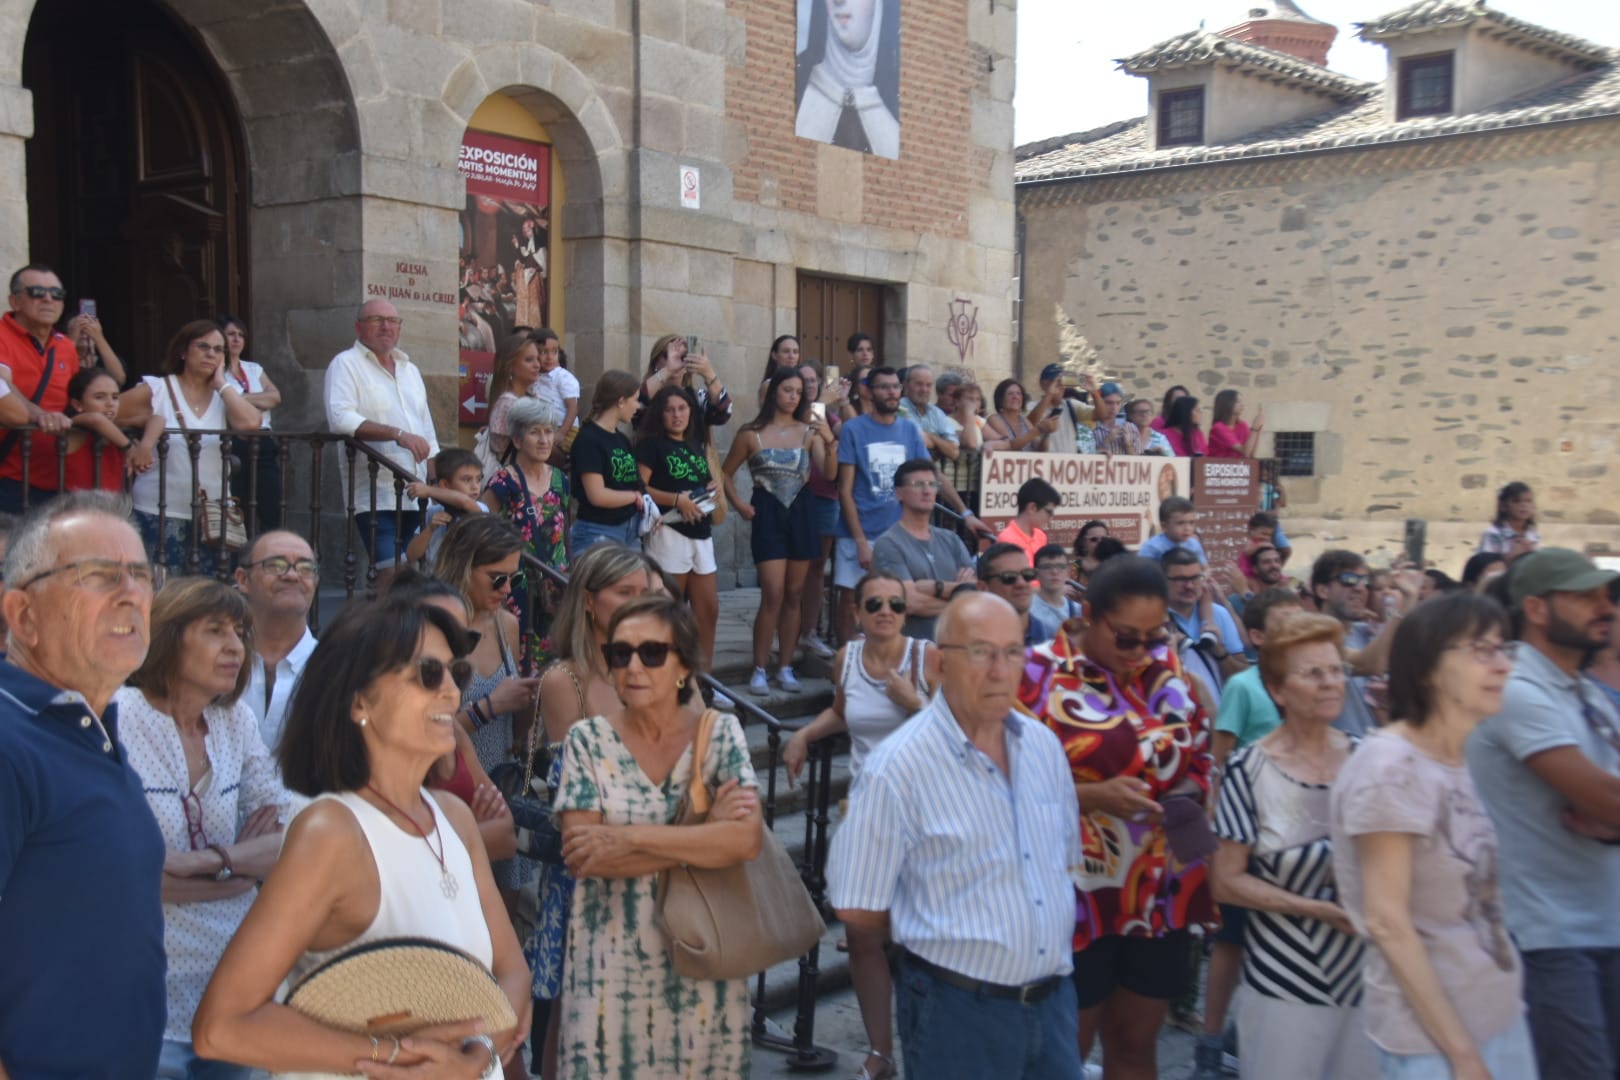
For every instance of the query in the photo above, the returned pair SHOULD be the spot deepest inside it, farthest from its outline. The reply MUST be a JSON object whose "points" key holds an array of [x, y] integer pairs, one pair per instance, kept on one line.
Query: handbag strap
{"points": [[179, 413], [697, 790]]}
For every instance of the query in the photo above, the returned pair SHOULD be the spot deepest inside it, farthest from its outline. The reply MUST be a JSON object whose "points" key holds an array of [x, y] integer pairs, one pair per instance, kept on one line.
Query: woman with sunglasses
{"points": [[883, 680], [374, 856], [1415, 857], [1086, 562], [1138, 744], [624, 1009], [196, 747]]}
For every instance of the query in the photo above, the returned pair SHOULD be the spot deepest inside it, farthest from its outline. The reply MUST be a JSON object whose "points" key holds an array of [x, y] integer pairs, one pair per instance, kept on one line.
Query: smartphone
{"points": [[818, 409], [1056, 411], [832, 374], [691, 344], [87, 307]]}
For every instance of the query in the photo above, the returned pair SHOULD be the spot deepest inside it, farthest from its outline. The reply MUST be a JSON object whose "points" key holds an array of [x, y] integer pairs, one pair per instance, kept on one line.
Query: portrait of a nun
{"points": [[848, 75]]}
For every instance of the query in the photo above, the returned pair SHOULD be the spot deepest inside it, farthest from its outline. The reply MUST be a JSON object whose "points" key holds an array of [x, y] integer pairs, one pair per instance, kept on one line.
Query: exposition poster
{"points": [[1226, 492], [1123, 492], [847, 89], [505, 254]]}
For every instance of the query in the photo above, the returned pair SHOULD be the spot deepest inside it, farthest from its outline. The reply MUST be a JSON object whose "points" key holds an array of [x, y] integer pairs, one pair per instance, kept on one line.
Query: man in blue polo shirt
{"points": [[81, 858]]}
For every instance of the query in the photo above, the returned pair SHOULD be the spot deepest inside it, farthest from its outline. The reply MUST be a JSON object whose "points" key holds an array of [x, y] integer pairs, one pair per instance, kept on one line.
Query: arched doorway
{"points": [[137, 179]]}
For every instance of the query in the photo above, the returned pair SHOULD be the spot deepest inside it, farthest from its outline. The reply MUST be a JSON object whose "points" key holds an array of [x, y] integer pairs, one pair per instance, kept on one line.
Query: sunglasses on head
{"points": [[430, 672], [652, 653], [874, 604], [1013, 577], [41, 292]]}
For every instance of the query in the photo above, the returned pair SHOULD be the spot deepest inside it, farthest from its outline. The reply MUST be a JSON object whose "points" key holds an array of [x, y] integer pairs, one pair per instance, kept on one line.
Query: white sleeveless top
{"points": [[869, 713], [177, 467], [410, 900]]}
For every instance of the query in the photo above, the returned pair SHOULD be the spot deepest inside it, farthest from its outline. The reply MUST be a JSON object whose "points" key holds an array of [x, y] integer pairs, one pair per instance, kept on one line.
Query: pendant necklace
{"points": [[447, 881]]}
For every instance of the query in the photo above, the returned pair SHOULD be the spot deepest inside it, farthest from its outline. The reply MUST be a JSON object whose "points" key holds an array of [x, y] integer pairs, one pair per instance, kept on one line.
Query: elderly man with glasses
{"points": [[960, 844], [36, 365], [375, 394], [279, 575], [81, 858]]}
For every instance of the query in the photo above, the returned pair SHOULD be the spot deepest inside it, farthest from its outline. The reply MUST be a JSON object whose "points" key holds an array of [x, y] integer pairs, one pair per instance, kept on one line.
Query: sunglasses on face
{"points": [[1013, 577], [43, 292], [1351, 580], [500, 581], [874, 604], [430, 672], [653, 653], [1131, 641]]}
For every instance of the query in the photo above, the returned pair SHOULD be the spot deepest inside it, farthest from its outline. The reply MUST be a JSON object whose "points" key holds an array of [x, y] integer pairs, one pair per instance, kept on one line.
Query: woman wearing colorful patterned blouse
{"points": [[625, 1012], [212, 786], [1138, 744], [533, 495], [1301, 958], [1415, 855]]}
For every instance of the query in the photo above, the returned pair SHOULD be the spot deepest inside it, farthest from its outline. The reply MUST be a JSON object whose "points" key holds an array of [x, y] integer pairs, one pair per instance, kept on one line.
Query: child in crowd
{"points": [[459, 478], [1052, 603], [1265, 530], [93, 406], [1037, 502], [1178, 526]]}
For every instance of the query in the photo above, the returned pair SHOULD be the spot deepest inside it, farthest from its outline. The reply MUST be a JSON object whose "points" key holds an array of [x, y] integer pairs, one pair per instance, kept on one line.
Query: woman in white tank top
{"points": [[883, 680], [373, 856]]}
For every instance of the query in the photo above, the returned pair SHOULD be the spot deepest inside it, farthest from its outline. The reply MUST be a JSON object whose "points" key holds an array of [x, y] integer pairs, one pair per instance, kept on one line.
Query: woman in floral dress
{"points": [[1138, 745], [626, 1014], [533, 495]]}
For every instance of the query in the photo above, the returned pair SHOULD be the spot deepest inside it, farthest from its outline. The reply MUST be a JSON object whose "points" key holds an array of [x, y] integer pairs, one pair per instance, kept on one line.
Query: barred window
{"points": [[1295, 452], [1425, 86], [1181, 117]]}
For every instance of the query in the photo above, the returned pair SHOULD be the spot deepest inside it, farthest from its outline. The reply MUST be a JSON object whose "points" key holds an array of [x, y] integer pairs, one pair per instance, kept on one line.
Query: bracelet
{"points": [[394, 1053]]}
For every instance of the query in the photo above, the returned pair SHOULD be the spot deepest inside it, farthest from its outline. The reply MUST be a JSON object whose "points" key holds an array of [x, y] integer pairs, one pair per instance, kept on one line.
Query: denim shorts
{"points": [[827, 514], [586, 533], [390, 550]]}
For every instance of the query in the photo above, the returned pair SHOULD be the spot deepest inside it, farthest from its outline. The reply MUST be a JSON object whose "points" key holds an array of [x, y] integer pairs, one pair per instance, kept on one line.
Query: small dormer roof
{"points": [[1200, 48], [1428, 15]]}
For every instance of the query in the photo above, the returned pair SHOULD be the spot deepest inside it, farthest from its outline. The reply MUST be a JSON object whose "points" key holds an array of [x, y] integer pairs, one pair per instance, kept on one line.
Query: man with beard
{"points": [[1267, 564], [1548, 769]]}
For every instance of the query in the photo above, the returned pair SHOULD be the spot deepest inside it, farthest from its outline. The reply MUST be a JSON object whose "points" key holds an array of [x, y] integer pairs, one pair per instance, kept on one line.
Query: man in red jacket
{"points": [[39, 363]]}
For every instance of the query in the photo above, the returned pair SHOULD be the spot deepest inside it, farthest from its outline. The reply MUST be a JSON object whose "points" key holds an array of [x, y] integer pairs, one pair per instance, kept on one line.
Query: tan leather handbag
{"points": [[737, 921]]}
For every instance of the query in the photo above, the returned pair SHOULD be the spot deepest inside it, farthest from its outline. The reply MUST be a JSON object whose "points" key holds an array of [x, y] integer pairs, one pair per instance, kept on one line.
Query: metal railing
{"points": [[803, 1054]]}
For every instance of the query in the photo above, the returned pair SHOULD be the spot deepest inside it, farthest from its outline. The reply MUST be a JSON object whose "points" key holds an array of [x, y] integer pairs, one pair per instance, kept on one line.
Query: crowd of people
{"points": [[1370, 814]]}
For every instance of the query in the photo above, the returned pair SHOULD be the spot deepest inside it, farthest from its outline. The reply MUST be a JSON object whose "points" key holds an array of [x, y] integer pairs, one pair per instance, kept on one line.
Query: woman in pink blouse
{"points": [[1184, 428], [1230, 436]]}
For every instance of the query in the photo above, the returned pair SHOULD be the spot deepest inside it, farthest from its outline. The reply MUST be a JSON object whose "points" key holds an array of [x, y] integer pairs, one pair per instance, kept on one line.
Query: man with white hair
{"points": [[81, 858]]}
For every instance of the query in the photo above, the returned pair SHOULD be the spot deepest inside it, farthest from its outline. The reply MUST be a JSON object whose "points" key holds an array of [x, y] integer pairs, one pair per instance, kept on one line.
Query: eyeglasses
{"points": [[191, 806], [207, 349], [383, 320], [278, 565], [874, 604], [922, 485], [1012, 577], [500, 581], [1487, 651], [1330, 673], [43, 292], [1133, 641], [1351, 580], [430, 672], [104, 575], [983, 655], [652, 653], [1184, 579]]}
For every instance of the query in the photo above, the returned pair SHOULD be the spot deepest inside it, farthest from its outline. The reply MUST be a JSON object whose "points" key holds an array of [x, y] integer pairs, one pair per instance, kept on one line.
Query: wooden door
{"points": [[830, 310]]}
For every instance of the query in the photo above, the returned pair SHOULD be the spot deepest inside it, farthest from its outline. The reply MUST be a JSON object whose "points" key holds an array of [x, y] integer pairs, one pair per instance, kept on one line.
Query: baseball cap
{"points": [[1051, 371], [1110, 389], [1556, 570]]}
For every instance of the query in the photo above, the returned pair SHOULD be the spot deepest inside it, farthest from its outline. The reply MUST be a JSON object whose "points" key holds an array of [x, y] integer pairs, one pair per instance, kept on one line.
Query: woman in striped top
{"points": [[1301, 958]]}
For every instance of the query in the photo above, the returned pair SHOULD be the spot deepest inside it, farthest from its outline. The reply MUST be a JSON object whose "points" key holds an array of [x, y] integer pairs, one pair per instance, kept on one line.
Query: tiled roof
{"points": [[1426, 15], [1127, 147], [1197, 48]]}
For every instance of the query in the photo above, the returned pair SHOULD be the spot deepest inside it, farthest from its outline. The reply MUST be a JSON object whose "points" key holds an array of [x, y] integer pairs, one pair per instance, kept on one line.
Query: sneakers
{"points": [[1093, 1072], [722, 701], [816, 647], [760, 684], [787, 680], [1209, 1058]]}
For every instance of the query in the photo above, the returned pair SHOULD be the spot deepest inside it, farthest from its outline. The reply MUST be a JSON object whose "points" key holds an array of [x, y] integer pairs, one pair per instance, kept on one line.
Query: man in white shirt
{"points": [[279, 575], [374, 393]]}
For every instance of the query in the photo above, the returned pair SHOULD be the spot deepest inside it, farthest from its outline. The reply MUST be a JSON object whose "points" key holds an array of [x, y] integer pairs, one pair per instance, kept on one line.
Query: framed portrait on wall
{"points": [[848, 74]]}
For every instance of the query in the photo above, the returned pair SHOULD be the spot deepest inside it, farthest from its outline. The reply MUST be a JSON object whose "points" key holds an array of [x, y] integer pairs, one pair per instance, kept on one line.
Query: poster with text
{"points": [[505, 254], [848, 74], [1227, 493], [1122, 492]]}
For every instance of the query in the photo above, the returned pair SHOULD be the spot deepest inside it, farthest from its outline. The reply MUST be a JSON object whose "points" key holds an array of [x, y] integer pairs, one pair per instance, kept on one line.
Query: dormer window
{"points": [[1181, 117], [1426, 85]]}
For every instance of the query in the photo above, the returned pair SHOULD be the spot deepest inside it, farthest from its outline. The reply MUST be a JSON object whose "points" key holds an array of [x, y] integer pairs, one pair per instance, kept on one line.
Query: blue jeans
{"points": [[953, 1034], [1573, 998], [1509, 1056], [586, 533], [390, 543], [179, 1061]]}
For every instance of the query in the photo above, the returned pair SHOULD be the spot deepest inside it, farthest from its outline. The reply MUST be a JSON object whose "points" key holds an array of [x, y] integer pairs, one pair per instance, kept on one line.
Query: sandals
{"points": [[887, 1072]]}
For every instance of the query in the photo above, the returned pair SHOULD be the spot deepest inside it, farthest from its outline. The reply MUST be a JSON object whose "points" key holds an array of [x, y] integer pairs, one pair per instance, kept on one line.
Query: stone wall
{"points": [[1440, 313]]}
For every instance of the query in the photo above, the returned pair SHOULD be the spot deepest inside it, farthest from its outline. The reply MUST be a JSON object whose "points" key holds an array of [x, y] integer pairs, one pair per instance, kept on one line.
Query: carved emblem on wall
{"points": [[963, 326]]}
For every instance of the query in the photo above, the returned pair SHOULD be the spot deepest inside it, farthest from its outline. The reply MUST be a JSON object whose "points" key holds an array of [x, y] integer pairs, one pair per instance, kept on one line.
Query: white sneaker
{"points": [[760, 684], [787, 680], [816, 647], [722, 701], [1093, 1072]]}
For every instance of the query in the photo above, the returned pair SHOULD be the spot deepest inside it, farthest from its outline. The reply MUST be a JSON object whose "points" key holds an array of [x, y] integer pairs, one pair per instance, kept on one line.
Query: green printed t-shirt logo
{"points": [[623, 464], [685, 465]]}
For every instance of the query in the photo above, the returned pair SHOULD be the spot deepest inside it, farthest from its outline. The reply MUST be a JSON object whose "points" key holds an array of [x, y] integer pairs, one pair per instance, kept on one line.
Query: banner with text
{"points": [[1227, 493], [1123, 492]]}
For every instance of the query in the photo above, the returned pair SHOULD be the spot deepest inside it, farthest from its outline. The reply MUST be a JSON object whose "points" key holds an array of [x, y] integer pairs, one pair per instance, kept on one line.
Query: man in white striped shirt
{"points": [[961, 835]]}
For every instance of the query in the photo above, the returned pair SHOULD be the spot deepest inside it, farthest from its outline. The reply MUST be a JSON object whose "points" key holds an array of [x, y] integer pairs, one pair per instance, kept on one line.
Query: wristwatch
{"points": [[226, 871]]}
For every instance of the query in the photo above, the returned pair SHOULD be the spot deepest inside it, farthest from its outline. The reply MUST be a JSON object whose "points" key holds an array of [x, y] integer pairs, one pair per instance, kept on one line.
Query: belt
{"points": [[1027, 994]]}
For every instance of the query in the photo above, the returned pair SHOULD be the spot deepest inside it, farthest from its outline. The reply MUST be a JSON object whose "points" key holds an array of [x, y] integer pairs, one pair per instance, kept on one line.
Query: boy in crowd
{"points": [[1052, 604], [1037, 502], [459, 478], [1178, 525]]}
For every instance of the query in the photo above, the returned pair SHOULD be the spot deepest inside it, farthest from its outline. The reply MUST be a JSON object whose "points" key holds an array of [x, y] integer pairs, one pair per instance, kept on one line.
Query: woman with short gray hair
{"points": [[533, 495]]}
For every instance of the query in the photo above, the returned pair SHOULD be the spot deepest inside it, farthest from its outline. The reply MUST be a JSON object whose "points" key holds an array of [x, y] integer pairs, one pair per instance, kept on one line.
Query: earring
{"points": [[680, 683], [362, 721]]}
